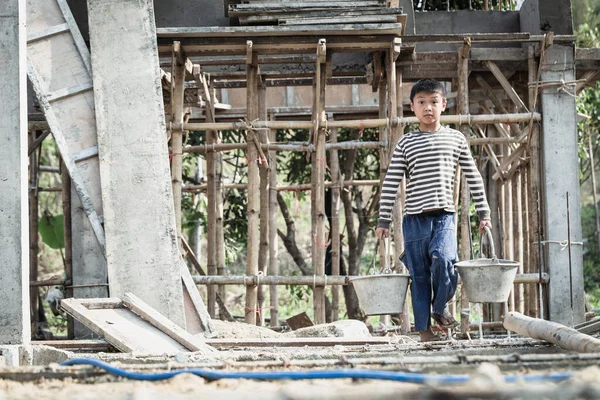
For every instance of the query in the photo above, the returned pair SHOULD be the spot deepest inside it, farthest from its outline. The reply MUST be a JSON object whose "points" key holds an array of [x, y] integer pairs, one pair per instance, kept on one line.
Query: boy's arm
{"points": [[389, 190], [476, 187]]}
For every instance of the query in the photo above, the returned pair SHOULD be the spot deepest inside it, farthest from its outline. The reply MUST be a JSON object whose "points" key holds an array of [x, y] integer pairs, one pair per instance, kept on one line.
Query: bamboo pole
{"points": [[518, 238], [211, 198], [178, 89], [218, 208], [286, 188], [263, 252], [527, 291], [553, 332], [534, 185], [460, 118], [334, 163], [273, 239], [68, 231], [315, 280], [509, 252], [253, 185], [318, 179], [462, 101], [34, 293], [383, 158]]}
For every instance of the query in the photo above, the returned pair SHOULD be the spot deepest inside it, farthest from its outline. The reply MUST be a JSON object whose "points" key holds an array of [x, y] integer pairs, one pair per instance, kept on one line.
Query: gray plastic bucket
{"points": [[381, 294], [487, 280]]}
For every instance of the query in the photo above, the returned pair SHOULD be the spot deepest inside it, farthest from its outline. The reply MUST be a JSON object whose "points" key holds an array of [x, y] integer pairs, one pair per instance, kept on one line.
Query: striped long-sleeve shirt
{"points": [[428, 161]]}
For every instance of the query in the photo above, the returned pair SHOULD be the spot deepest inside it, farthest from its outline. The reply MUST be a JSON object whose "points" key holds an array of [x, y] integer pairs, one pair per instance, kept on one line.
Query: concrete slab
{"points": [[139, 218], [14, 226]]}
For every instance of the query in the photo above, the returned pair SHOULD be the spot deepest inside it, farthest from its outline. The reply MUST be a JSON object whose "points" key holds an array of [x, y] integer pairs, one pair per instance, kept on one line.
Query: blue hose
{"points": [[300, 375]]}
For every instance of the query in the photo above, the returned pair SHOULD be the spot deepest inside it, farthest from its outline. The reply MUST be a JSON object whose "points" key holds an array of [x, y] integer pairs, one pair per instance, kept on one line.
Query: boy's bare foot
{"points": [[429, 336]]}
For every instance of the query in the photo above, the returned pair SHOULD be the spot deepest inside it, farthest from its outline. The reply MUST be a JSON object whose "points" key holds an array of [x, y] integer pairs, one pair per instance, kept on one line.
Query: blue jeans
{"points": [[430, 254]]}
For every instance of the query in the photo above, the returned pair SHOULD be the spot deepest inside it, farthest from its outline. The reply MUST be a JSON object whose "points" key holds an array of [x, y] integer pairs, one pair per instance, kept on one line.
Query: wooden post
{"points": [[66, 205], [318, 180], [508, 232], [253, 183], [263, 253], [178, 88], [334, 164], [273, 239], [34, 292], [534, 188], [462, 102]]}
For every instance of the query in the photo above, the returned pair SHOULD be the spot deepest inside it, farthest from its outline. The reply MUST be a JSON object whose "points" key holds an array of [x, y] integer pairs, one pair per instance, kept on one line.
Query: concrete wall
{"points": [[543, 16], [437, 22], [14, 227]]}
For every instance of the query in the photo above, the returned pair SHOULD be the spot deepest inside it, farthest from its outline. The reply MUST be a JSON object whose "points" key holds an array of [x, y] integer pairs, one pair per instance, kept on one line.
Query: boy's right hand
{"points": [[382, 233]]}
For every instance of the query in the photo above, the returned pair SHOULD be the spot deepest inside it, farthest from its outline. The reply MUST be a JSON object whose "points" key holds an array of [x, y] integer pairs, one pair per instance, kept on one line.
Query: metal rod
{"points": [[569, 249]]}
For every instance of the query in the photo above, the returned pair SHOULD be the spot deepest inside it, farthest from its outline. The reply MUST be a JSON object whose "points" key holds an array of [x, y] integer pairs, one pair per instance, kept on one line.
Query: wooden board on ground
{"points": [[197, 319], [121, 327]]}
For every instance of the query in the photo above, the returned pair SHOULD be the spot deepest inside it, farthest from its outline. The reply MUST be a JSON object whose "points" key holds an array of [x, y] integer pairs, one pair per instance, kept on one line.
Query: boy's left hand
{"points": [[483, 223]]}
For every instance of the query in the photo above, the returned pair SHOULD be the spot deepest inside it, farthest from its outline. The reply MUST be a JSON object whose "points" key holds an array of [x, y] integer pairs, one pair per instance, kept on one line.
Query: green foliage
{"points": [[52, 230]]}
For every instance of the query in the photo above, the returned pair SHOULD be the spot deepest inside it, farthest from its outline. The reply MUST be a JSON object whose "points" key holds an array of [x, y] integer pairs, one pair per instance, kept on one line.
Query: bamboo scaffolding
{"points": [[219, 199], [273, 238], [462, 118], [335, 223], [315, 280], [253, 185], [319, 161], [462, 101], [527, 290], [263, 251]]}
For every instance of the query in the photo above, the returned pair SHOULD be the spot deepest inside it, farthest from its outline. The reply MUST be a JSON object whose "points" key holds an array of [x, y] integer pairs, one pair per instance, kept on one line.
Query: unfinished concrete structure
{"points": [[385, 57]]}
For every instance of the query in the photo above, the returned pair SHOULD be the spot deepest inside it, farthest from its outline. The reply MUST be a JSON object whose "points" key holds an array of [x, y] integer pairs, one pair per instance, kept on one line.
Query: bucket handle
{"points": [[386, 256], [490, 239]]}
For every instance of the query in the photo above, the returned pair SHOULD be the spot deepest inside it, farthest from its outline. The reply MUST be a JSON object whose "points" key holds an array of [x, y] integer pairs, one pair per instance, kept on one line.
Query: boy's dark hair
{"points": [[427, 86]]}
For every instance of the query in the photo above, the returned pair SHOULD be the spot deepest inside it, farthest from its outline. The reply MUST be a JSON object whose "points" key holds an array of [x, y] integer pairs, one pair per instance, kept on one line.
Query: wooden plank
{"points": [[121, 328], [199, 309], [247, 31], [365, 19], [46, 33], [498, 54], [274, 17], [70, 91], [159, 321], [236, 10], [506, 85], [296, 342]]}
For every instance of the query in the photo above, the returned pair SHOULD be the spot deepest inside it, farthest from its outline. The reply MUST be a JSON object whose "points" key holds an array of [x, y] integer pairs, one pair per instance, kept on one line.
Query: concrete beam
{"points": [[15, 326], [139, 218], [561, 176]]}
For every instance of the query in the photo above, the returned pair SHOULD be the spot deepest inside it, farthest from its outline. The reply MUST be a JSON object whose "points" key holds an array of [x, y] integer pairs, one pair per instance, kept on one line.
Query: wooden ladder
{"points": [[59, 69]]}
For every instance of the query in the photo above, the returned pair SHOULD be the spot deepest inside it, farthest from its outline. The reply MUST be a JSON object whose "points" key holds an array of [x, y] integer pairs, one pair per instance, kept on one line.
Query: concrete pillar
{"points": [[139, 218], [14, 226], [561, 176]]}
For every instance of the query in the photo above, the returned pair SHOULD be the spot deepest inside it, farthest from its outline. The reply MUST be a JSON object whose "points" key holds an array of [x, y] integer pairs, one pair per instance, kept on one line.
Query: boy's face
{"points": [[428, 107]]}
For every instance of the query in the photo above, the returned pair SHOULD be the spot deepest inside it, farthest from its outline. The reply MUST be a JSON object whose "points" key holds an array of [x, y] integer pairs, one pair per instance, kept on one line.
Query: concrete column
{"points": [[561, 176], [14, 226], [139, 219]]}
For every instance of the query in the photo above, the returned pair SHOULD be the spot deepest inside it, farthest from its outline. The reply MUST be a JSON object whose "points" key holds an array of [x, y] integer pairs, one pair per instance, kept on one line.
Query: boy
{"points": [[428, 159]]}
